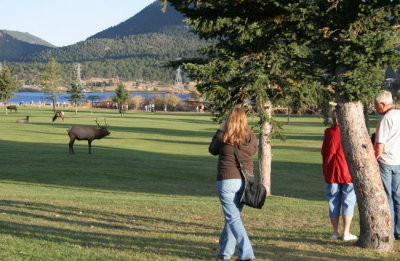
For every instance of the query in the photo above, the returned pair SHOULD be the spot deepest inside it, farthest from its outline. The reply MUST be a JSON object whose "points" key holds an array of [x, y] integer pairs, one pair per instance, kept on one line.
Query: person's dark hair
{"points": [[334, 117]]}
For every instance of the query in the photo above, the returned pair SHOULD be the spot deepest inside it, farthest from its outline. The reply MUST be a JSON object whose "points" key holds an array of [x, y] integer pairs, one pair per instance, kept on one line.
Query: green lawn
{"points": [[147, 192]]}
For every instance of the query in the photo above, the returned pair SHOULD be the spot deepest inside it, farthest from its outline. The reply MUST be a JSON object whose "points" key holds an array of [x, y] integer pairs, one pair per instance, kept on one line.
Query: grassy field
{"points": [[147, 192]]}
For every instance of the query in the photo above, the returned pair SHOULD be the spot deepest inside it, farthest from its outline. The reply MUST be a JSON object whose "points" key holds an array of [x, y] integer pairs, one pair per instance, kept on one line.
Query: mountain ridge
{"points": [[143, 22], [128, 50], [14, 44], [27, 37]]}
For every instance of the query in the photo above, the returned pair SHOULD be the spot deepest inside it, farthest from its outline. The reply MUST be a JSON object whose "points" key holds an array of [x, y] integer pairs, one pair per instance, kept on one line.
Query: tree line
{"points": [[51, 79], [133, 57]]}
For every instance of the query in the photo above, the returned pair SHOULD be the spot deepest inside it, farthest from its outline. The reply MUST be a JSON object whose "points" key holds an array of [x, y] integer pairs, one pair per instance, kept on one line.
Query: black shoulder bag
{"points": [[254, 193]]}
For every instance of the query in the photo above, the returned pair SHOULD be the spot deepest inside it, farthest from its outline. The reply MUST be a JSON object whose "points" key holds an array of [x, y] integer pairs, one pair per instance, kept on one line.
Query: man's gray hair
{"points": [[334, 116], [384, 97]]}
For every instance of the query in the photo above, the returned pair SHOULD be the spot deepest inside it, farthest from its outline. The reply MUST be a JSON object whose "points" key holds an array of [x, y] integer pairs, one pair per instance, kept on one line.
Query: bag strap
{"points": [[239, 160]]}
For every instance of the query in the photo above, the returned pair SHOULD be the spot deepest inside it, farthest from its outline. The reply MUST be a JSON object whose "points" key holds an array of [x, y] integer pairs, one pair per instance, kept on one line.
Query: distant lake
{"points": [[36, 97]]}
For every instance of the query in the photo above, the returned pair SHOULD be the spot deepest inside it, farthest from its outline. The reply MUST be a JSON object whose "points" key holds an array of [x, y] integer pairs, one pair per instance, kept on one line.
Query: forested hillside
{"points": [[137, 49], [14, 45], [149, 20], [133, 57], [27, 37], [171, 44]]}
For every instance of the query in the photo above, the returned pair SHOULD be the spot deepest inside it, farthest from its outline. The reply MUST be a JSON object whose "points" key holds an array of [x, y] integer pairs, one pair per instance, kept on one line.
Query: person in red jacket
{"points": [[339, 187]]}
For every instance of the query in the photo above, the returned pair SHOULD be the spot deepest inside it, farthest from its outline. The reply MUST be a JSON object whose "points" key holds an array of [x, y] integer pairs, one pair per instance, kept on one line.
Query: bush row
{"points": [[169, 102]]}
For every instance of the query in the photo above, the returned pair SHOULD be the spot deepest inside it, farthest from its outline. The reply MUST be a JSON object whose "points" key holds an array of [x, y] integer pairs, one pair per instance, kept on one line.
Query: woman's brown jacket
{"points": [[227, 164]]}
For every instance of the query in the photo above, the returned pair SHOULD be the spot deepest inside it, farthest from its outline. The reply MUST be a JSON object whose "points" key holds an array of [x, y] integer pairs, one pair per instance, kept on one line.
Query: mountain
{"points": [[14, 45], [136, 49], [27, 37], [173, 44], [150, 20], [142, 56]]}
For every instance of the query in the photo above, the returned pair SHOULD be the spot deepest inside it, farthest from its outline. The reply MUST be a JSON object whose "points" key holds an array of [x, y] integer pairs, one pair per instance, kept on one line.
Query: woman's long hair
{"points": [[236, 127]]}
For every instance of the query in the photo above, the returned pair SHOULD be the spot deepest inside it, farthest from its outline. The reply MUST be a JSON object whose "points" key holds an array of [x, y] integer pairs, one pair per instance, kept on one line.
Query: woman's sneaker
{"points": [[350, 237]]}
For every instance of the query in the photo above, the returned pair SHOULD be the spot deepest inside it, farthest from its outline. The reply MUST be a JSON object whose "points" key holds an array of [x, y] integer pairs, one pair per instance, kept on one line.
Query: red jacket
{"points": [[334, 163]]}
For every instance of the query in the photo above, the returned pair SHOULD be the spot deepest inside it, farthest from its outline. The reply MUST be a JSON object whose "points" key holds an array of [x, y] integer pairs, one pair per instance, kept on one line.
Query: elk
{"points": [[26, 120], [58, 114], [86, 133], [12, 107]]}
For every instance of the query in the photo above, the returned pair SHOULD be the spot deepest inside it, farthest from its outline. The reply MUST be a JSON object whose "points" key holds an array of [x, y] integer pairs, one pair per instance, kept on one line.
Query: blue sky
{"points": [[65, 22]]}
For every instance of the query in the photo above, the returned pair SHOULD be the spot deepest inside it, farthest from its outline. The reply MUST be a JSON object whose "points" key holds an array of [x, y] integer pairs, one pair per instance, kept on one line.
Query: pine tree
{"points": [[121, 98], [244, 65], [355, 45], [265, 48], [76, 94], [50, 78], [8, 85]]}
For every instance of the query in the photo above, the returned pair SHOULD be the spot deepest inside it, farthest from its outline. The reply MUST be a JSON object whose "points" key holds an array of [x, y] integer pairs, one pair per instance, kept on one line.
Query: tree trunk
{"points": [[375, 223], [5, 108], [54, 106], [264, 151], [76, 108], [288, 112], [366, 116]]}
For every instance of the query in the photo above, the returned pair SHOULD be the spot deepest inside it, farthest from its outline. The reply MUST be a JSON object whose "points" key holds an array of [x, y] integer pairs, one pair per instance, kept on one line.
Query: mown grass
{"points": [[148, 192]]}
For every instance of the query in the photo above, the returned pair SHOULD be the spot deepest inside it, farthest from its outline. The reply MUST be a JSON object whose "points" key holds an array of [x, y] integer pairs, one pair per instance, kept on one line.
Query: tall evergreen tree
{"points": [[264, 47], [8, 85], [355, 44], [76, 95], [244, 64], [50, 78], [121, 98]]}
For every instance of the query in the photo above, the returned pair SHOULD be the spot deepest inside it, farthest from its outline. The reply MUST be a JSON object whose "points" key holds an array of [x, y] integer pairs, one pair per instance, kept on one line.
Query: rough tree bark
{"points": [[264, 151], [366, 116], [375, 223]]}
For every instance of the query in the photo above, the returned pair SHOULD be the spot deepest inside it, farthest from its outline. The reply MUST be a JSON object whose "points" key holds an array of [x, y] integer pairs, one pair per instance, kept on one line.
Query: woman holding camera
{"points": [[230, 185]]}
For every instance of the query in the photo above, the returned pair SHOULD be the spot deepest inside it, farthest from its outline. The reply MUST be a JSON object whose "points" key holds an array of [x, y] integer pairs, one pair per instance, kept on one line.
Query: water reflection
{"points": [[36, 97]]}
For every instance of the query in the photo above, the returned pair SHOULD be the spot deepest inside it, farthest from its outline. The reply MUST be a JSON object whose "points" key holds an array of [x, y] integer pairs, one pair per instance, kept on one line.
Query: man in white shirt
{"points": [[387, 152]]}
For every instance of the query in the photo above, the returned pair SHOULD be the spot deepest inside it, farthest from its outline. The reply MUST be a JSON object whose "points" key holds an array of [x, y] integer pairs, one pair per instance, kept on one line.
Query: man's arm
{"points": [[378, 147]]}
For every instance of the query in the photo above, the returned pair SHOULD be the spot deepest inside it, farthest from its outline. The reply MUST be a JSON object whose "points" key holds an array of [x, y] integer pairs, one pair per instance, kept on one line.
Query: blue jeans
{"points": [[340, 196], [390, 175], [229, 192]]}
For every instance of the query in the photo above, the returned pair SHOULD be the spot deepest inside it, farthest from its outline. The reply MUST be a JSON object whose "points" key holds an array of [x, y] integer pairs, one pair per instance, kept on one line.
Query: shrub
{"points": [[136, 102]]}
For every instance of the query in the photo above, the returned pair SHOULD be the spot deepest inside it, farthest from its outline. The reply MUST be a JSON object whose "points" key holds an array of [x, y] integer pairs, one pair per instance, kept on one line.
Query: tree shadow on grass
{"points": [[180, 142], [164, 131], [87, 218], [107, 168], [298, 244], [51, 223], [142, 130], [164, 238], [190, 120], [116, 169], [305, 137], [296, 148], [278, 253], [298, 180]]}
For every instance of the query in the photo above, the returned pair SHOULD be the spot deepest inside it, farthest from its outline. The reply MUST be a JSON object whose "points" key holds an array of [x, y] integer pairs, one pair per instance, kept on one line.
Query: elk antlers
{"points": [[105, 123]]}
